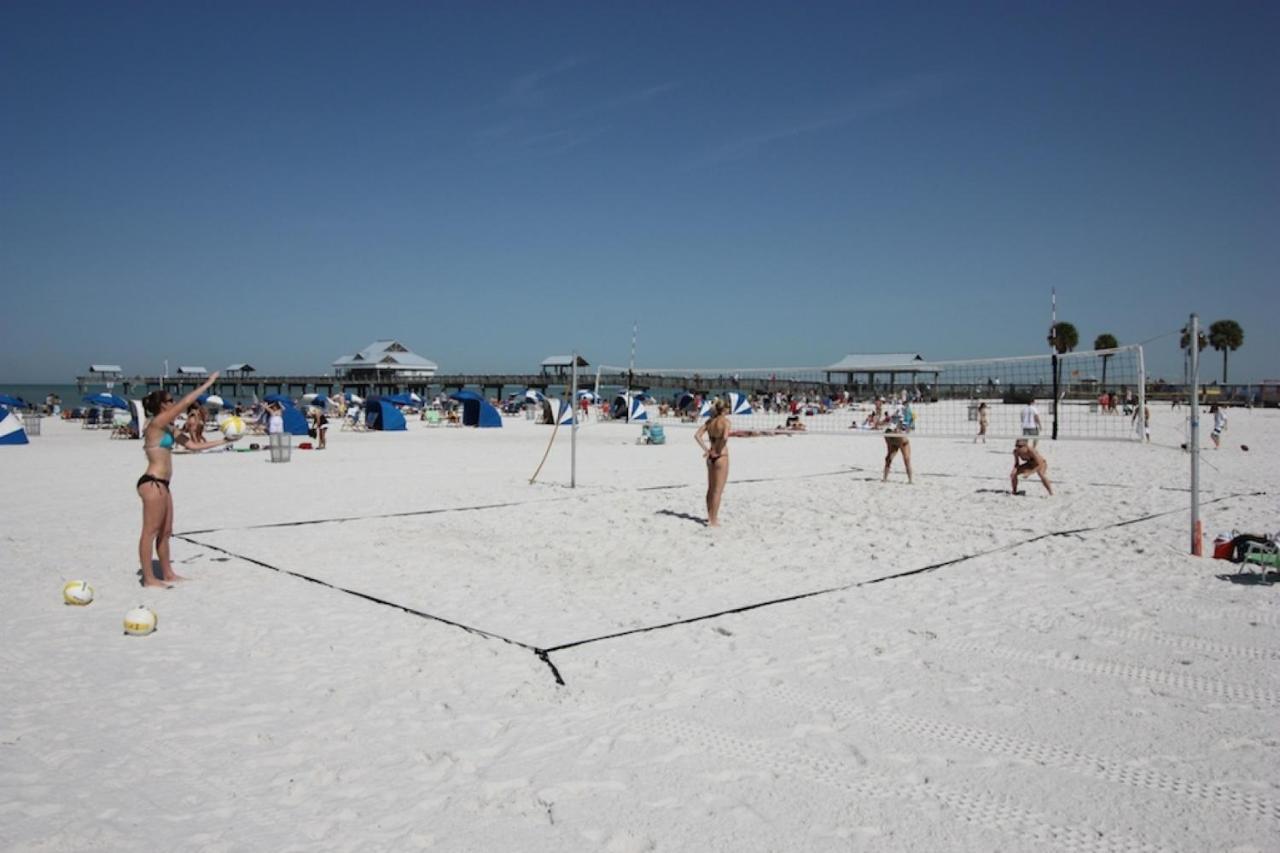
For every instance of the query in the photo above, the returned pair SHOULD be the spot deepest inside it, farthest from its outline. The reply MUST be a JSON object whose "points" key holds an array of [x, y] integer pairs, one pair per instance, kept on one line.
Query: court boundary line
{"points": [[543, 654]]}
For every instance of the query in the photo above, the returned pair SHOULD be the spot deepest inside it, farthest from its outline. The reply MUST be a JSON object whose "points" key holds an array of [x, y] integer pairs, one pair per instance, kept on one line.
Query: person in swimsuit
{"points": [[1219, 424], [982, 424], [153, 486], [895, 439], [1027, 461], [716, 429]]}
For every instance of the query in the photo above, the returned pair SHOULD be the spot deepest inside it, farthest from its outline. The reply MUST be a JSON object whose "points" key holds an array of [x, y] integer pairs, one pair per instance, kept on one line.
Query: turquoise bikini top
{"points": [[166, 442]]}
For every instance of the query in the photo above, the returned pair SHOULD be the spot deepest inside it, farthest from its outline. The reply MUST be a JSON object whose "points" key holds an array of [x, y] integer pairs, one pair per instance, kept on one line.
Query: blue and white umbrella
{"points": [[109, 401], [12, 402]]}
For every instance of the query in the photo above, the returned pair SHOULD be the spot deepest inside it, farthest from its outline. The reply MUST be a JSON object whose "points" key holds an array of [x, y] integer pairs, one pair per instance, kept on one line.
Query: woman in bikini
{"points": [[895, 442], [717, 455], [153, 487]]}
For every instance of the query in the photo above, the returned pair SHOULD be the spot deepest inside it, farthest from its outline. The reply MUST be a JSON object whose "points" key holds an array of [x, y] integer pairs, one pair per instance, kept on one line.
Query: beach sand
{"points": [[1076, 683]]}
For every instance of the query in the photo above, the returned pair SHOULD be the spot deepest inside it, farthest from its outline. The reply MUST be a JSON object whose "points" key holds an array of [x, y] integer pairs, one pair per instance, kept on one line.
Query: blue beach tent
{"points": [[397, 399], [107, 401], [295, 423], [12, 402], [11, 431], [381, 413], [476, 410], [739, 404]]}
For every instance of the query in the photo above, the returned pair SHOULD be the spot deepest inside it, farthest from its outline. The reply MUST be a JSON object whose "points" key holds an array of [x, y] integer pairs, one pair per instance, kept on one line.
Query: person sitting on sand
{"points": [[1027, 461], [716, 428], [895, 440], [153, 486]]}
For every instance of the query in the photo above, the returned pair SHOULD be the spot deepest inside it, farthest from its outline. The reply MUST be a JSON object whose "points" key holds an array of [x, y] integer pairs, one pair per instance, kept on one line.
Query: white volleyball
{"points": [[140, 621], [233, 427], [78, 593]]}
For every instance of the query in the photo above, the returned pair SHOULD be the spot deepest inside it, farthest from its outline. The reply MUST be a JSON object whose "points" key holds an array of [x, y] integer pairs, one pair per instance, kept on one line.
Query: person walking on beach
{"points": [[321, 427], [716, 453], [1219, 424], [275, 419], [1145, 426], [1027, 461], [982, 424], [153, 486], [1031, 422]]}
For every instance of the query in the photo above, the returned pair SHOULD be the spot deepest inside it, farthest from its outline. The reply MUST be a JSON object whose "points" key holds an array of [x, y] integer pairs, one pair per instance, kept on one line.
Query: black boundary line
{"points": [[897, 575], [544, 654], [341, 520], [470, 629]]}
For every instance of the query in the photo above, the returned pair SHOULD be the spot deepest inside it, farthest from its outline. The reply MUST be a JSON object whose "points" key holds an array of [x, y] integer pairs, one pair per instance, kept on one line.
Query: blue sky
{"points": [[756, 184]]}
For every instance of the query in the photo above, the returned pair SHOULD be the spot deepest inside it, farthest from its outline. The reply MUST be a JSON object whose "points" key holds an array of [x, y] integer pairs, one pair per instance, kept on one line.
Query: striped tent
{"points": [[11, 430], [564, 410], [739, 404]]}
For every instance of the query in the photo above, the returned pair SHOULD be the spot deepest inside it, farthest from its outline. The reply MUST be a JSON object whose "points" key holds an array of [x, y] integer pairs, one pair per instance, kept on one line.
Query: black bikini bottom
{"points": [[147, 478]]}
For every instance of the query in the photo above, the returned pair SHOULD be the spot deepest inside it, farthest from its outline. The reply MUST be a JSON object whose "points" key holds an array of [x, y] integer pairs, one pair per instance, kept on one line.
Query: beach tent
{"points": [[352, 397], [11, 431], [739, 404], [12, 402], [213, 401], [476, 410], [107, 401], [562, 409], [705, 411], [381, 413], [586, 395], [623, 403], [295, 423], [533, 395], [397, 399]]}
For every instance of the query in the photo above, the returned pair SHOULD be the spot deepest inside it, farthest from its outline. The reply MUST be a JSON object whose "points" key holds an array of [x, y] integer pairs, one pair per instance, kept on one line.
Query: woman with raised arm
{"points": [[158, 440], [717, 455]]}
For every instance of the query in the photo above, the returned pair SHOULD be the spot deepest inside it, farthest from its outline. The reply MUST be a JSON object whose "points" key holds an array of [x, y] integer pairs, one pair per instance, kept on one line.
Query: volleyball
{"points": [[78, 593], [140, 621], [233, 427]]}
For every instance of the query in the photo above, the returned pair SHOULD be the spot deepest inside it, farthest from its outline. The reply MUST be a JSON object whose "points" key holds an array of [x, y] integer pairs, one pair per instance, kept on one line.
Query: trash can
{"points": [[973, 411], [281, 446], [31, 423], [1093, 407]]}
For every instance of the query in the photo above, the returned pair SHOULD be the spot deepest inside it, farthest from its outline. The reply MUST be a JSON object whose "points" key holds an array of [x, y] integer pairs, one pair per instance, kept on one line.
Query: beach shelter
{"points": [[381, 413], [586, 395], [11, 431], [138, 418], [107, 401], [739, 404], [397, 399], [476, 410], [533, 395], [705, 411], [563, 411], [684, 401], [630, 403], [352, 397], [12, 402], [295, 423]]}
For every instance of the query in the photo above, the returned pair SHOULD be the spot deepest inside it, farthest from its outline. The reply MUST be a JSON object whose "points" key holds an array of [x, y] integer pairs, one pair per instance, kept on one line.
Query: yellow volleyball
{"points": [[78, 593], [140, 621], [233, 427]]}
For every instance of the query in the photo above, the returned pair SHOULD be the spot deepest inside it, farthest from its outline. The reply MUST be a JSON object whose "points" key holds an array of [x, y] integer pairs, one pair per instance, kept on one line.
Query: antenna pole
{"points": [[631, 367]]}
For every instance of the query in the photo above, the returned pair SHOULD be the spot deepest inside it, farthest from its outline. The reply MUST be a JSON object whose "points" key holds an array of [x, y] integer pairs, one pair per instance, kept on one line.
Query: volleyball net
{"points": [[1098, 394]]}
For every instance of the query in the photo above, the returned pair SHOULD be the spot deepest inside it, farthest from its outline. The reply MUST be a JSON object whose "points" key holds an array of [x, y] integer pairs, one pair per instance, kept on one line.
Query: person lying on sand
{"points": [[1027, 461]]}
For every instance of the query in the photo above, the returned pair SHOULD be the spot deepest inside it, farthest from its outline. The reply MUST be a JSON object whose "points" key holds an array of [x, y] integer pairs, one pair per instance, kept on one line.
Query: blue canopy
{"points": [[295, 423], [381, 413], [397, 399], [13, 402], [110, 401], [476, 410]]}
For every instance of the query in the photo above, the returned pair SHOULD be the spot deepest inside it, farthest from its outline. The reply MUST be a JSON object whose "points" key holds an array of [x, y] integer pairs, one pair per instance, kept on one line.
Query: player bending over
{"points": [[1027, 461]]}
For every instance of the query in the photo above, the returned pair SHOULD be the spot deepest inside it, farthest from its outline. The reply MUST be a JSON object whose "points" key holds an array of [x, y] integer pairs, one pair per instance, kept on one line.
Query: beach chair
{"points": [[431, 417], [1263, 556]]}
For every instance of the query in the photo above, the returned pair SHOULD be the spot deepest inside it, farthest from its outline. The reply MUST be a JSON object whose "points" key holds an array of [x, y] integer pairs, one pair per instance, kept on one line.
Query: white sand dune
{"points": [[1077, 683]]}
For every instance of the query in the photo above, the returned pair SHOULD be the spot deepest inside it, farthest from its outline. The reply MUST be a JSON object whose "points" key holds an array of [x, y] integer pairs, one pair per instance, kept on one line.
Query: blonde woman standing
{"points": [[716, 453]]}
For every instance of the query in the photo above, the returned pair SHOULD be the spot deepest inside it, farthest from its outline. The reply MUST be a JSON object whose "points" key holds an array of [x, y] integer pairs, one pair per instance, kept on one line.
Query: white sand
{"points": [[1092, 691]]}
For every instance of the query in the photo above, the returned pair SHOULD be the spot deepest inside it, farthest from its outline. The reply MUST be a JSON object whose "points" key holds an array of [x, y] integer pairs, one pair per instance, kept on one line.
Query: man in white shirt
{"points": [[1031, 422]]}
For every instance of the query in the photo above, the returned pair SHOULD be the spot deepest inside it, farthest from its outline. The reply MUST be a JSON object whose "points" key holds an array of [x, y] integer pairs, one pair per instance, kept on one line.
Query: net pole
{"points": [[1193, 345], [1056, 367], [631, 368], [573, 434], [1142, 394]]}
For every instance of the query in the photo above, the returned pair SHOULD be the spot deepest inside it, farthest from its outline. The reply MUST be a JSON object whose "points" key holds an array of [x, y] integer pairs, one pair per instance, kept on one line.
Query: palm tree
{"points": [[1105, 341], [1063, 337], [1226, 336], [1185, 341]]}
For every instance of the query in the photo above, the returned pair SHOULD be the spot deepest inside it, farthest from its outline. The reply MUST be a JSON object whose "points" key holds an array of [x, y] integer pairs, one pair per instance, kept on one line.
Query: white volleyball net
{"points": [[1080, 395]]}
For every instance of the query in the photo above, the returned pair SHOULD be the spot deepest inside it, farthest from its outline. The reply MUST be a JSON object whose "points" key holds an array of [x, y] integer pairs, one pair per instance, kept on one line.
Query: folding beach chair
{"points": [[1264, 556]]}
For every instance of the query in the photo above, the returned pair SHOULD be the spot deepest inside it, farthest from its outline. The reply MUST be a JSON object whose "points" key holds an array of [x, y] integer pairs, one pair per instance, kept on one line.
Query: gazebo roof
{"points": [[105, 368], [885, 362], [563, 361], [242, 368], [386, 355], [192, 370]]}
